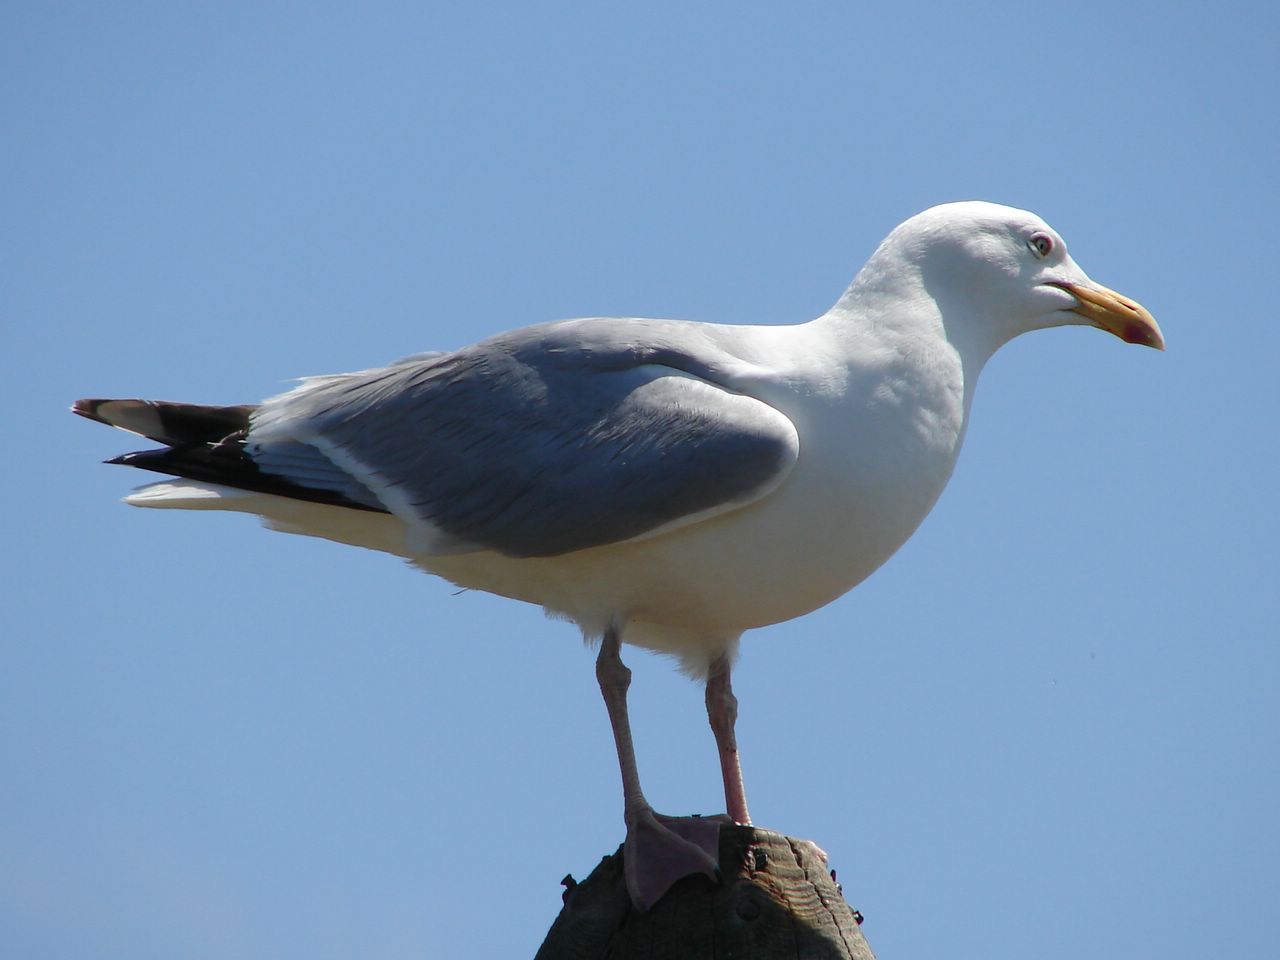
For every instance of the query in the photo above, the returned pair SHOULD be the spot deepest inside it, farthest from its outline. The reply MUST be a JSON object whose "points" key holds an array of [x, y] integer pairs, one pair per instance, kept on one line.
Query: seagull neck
{"points": [[892, 301], [903, 332]]}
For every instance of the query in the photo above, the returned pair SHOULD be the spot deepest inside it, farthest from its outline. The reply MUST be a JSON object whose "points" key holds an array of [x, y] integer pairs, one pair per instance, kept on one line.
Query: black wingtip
{"points": [[88, 409], [227, 464], [204, 444], [166, 422]]}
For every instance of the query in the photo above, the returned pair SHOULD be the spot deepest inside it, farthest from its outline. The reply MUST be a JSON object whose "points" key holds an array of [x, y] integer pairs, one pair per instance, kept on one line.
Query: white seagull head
{"points": [[992, 272]]}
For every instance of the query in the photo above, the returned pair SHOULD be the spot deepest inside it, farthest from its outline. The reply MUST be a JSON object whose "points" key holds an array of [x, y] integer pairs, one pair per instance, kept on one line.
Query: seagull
{"points": [[663, 483]]}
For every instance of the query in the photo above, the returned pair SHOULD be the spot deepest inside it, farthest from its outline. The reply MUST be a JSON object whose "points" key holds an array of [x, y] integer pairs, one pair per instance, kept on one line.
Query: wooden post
{"points": [[776, 900]]}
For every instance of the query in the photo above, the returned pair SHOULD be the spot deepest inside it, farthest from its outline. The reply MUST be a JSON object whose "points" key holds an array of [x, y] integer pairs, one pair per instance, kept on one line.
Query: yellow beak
{"points": [[1115, 313]]}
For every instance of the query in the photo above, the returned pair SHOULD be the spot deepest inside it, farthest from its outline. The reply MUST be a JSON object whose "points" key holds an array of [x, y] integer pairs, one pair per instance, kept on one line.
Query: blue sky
{"points": [[1051, 718]]}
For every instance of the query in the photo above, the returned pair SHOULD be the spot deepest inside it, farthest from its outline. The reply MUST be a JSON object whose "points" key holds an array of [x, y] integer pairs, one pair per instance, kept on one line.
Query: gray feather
{"points": [[548, 439]]}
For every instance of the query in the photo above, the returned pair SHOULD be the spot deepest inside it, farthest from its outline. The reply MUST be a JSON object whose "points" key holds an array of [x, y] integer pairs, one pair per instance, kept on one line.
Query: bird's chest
{"points": [[887, 443], [871, 466]]}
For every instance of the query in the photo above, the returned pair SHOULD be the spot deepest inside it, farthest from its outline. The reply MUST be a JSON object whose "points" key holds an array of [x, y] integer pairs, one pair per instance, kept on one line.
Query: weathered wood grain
{"points": [[776, 901]]}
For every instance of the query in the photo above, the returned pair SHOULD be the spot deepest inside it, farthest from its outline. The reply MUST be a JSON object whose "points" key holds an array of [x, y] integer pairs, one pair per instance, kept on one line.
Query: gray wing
{"points": [[543, 441]]}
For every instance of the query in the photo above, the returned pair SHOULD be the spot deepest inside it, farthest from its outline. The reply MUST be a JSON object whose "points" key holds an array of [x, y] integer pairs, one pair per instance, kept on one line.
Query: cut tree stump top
{"points": [[776, 900]]}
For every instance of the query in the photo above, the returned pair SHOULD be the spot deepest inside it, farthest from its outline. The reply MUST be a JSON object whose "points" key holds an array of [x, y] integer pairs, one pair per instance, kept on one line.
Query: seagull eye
{"points": [[1041, 244]]}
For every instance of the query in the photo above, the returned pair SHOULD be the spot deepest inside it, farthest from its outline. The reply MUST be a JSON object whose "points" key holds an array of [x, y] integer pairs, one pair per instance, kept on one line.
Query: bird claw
{"points": [[661, 850]]}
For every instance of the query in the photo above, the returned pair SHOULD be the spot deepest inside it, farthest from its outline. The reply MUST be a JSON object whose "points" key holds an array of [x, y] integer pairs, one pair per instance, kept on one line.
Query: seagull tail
{"points": [[205, 450], [203, 444]]}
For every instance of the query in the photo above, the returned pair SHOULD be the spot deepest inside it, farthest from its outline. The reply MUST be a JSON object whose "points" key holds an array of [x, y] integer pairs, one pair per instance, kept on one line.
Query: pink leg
{"points": [[659, 850], [722, 711]]}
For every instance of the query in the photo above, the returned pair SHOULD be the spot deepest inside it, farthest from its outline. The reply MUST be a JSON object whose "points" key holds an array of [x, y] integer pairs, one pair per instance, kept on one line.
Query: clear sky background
{"points": [[1048, 726]]}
